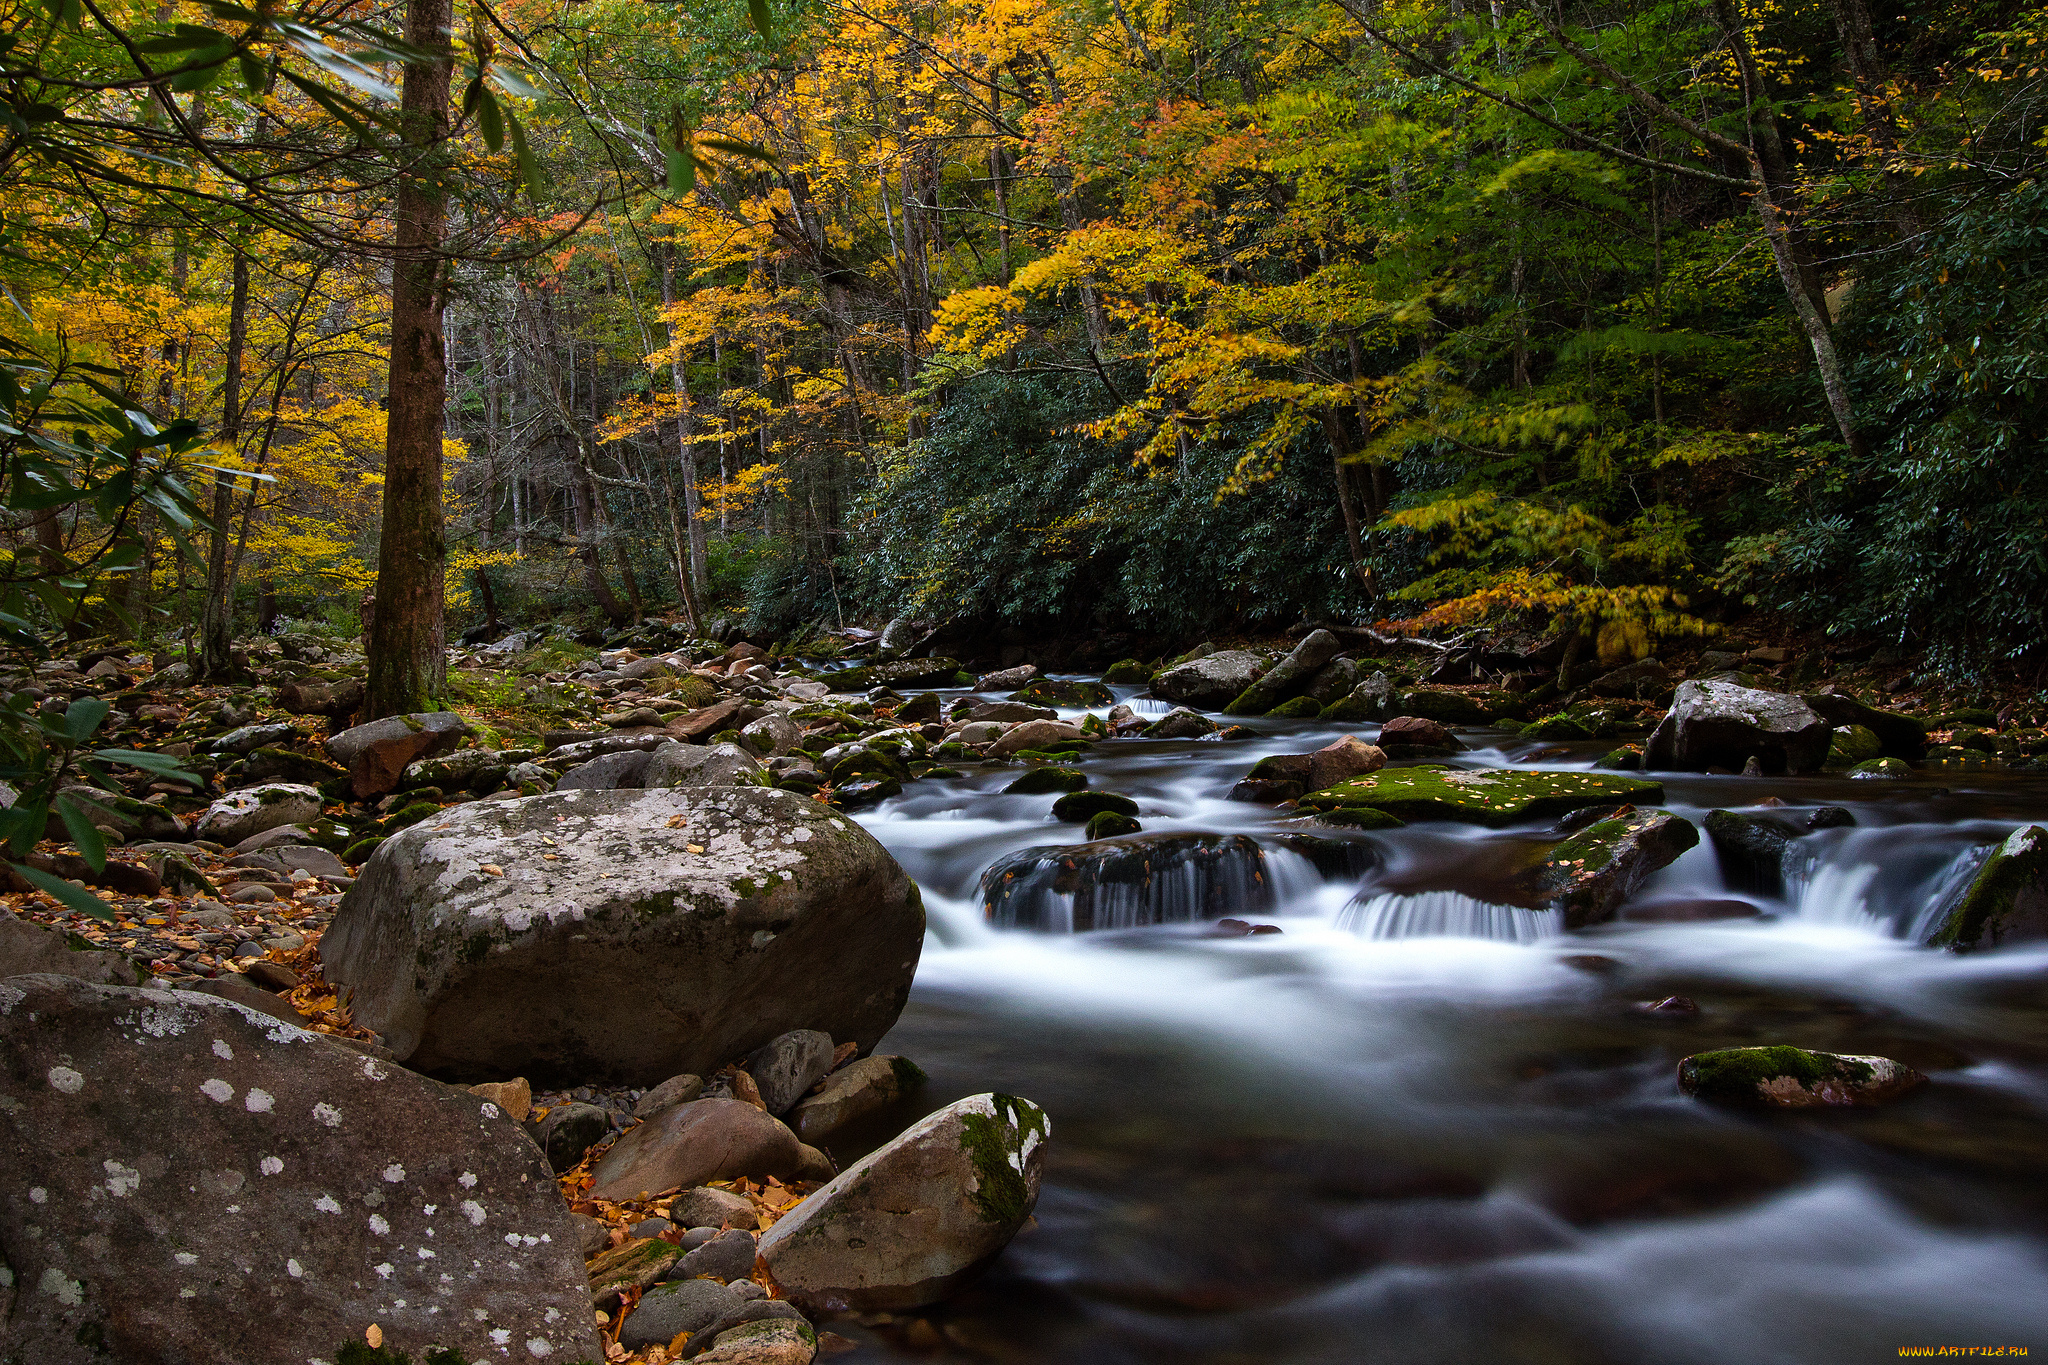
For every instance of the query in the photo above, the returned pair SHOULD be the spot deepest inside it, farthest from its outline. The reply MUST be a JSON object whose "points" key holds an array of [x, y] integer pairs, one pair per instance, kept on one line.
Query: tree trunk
{"points": [[408, 643], [216, 613]]}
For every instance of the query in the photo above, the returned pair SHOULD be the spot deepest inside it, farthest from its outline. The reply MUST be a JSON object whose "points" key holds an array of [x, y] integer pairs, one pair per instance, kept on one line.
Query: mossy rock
{"points": [[407, 816], [854, 795], [1109, 824], [1050, 778], [1067, 748], [282, 765], [1892, 769], [359, 852], [1481, 796], [1792, 1078], [1358, 817], [963, 678], [1299, 708], [1126, 671], [324, 833], [1559, 726], [1853, 744], [1627, 759], [1077, 807], [1971, 716], [1059, 692], [692, 691], [1349, 710], [2007, 901], [1442, 705]]}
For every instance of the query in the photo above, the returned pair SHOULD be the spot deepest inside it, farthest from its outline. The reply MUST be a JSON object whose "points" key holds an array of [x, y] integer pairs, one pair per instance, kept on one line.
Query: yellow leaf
{"points": [[374, 1335]]}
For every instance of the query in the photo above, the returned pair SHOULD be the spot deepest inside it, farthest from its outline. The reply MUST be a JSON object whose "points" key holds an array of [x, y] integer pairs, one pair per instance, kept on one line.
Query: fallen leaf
{"points": [[678, 821], [374, 1335], [492, 870], [694, 848]]}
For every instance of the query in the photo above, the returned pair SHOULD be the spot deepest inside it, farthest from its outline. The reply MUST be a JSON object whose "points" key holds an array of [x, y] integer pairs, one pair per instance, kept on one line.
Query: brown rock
{"points": [[708, 720], [633, 1264], [1033, 734], [376, 754], [1416, 730], [697, 1142], [867, 1085], [1349, 757], [708, 1208], [515, 1096]]}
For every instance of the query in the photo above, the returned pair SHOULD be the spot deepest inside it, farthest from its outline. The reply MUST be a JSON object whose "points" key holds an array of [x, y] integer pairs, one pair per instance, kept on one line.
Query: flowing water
{"points": [[1421, 1125]]}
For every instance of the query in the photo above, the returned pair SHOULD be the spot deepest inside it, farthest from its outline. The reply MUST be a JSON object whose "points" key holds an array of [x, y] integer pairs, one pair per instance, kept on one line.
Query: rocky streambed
{"points": [[1371, 1018]]}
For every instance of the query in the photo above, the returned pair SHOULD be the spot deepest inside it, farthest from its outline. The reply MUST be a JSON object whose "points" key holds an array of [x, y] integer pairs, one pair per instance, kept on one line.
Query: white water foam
{"points": [[1447, 914]]}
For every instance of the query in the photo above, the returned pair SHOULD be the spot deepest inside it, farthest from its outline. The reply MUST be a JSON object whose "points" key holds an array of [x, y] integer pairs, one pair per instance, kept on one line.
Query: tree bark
{"points": [[216, 613], [408, 653]]}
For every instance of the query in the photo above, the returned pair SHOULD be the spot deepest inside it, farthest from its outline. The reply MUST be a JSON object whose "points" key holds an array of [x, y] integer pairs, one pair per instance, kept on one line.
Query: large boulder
{"points": [[252, 810], [624, 936], [1210, 682], [696, 1142], [175, 1163], [1343, 760], [1898, 736], [2007, 901], [1591, 875], [376, 753], [1793, 1078], [1180, 723], [914, 1221], [1288, 678], [1720, 725], [1034, 734]]}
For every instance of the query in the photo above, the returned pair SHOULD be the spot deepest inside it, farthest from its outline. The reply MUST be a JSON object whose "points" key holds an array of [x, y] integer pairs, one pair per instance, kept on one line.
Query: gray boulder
{"points": [[463, 770], [899, 635], [1180, 723], [1719, 725], [252, 810], [769, 1341], [1337, 679], [691, 1144], [676, 1306], [788, 1066], [1288, 678], [739, 913], [2007, 901], [855, 1090], [607, 773], [1011, 712], [1006, 680], [698, 765], [1210, 682], [214, 1158], [773, 734], [911, 1223], [1591, 875], [247, 738]]}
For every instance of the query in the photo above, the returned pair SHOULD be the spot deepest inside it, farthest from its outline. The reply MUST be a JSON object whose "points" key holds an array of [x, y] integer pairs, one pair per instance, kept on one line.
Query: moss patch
{"points": [[1049, 778], [1298, 709], [1559, 726], [1480, 796], [1126, 671], [2012, 882], [1054, 692], [1076, 807], [1738, 1074], [994, 1144]]}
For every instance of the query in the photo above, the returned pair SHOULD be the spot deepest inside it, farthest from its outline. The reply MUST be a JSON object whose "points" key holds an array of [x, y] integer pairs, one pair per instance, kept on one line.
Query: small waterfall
{"points": [[1149, 706], [1128, 883], [1835, 893], [1446, 914], [1944, 891], [1859, 891]]}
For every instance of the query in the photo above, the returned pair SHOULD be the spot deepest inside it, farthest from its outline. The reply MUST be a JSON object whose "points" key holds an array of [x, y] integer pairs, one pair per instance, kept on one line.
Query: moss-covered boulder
{"points": [[1126, 671], [1480, 796], [493, 942], [282, 765], [1891, 769], [1350, 709], [2007, 901], [1111, 824], [1898, 736], [1591, 875], [1077, 807], [1288, 678], [915, 1221], [1627, 759], [1357, 817], [1063, 692], [1853, 744], [1298, 708], [1793, 1078], [1560, 726], [1050, 778]]}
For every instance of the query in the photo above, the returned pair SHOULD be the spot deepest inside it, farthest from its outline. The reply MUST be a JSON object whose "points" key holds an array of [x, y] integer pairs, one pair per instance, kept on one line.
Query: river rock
{"points": [[696, 765], [1006, 680], [856, 1089], [912, 1222], [1751, 850], [1793, 1078], [1343, 760], [1646, 679], [2007, 901], [26, 947], [769, 1341], [788, 1066], [1591, 875], [1210, 682], [608, 772], [464, 770], [1288, 678], [376, 754], [248, 737], [253, 810], [1479, 796], [1010, 712], [676, 1306], [1129, 882], [1719, 725], [214, 1160], [708, 1208], [736, 913], [776, 734], [1034, 734], [697, 1142], [1898, 736], [1416, 737], [1180, 723], [567, 1132]]}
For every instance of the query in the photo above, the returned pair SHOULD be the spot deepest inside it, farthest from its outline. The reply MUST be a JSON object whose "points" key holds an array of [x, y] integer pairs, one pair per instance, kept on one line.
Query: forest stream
{"points": [[1415, 1125]]}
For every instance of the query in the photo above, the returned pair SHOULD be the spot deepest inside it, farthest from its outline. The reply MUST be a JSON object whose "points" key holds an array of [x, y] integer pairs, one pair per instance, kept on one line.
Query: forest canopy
{"points": [[1622, 319]]}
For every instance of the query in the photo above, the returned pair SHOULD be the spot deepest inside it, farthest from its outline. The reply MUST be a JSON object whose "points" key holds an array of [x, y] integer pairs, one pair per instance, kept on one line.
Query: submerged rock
{"points": [[494, 940], [1719, 725], [913, 1222], [1126, 883], [2007, 901], [1793, 1078], [1481, 796]]}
